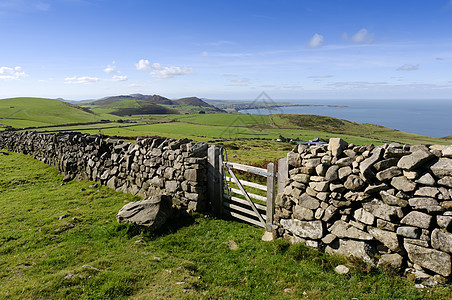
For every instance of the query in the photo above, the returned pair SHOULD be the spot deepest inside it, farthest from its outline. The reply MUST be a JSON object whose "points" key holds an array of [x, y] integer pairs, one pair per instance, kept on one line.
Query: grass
{"points": [[19, 112], [246, 137], [89, 256]]}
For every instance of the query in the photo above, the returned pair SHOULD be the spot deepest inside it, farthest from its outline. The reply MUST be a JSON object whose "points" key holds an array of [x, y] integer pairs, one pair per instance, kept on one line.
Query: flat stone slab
{"points": [[433, 260], [305, 229], [417, 219], [443, 167], [414, 160]]}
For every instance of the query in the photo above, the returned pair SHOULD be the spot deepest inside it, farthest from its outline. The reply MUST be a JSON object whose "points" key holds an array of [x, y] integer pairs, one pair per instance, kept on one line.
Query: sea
{"points": [[425, 117]]}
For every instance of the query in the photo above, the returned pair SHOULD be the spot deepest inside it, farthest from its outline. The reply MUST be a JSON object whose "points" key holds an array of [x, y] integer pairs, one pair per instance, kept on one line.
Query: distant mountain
{"points": [[192, 101], [154, 99], [138, 104]]}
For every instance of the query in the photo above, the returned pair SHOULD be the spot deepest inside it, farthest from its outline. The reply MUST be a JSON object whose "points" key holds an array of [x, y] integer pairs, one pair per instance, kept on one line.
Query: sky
{"points": [[289, 49]]}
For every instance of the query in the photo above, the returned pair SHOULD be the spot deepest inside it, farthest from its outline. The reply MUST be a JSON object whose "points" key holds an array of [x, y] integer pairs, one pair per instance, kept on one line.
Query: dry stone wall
{"points": [[152, 166], [390, 204]]}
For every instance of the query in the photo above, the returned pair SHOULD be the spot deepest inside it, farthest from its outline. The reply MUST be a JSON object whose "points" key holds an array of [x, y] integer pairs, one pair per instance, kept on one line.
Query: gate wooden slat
{"points": [[250, 169], [240, 209], [243, 218], [232, 199], [246, 195], [257, 197], [250, 184]]}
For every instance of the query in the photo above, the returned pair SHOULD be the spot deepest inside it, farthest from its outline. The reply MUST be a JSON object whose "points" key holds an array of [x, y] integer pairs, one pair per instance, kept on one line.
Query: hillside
{"points": [[25, 112], [138, 104], [154, 99]]}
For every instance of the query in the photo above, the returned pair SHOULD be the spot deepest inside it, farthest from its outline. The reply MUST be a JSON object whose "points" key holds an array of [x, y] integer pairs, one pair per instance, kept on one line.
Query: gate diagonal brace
{"points": [[246, 195]]}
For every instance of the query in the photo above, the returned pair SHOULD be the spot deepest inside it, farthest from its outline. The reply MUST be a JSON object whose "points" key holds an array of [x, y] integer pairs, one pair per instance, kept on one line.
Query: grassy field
{"points": [[87, 255], [25, 112], [248, 138]]}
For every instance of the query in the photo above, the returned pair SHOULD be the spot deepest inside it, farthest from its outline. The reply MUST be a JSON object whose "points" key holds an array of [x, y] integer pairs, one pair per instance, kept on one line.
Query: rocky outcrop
{"points": [[390, 205]]}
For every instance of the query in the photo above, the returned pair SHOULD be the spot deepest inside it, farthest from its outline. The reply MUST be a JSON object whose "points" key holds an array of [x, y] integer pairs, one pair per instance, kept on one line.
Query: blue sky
{"points": [[291, 49]]}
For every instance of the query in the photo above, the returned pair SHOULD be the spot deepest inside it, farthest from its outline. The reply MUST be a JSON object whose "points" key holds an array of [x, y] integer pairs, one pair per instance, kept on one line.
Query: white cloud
{"points": [[159, 71], [320, 76], [111, 69], [362, 37], [204, 53], [316, 41], [81, 80], [143, 65], [408, 67], [119, 78], [12, 73], [240, 80]]}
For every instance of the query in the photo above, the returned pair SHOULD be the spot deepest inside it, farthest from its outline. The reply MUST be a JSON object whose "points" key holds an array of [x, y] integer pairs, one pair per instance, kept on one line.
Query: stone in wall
{"points": [[152, 166], [393, 199]]}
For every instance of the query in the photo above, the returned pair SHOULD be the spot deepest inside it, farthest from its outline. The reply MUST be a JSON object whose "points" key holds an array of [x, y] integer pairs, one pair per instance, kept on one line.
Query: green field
{"points": [[248, 138], [87, 255], [25, 112]]}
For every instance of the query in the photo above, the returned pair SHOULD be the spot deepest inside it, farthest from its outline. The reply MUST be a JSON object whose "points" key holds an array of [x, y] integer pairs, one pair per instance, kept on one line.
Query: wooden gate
{"points": [[230, 196]]}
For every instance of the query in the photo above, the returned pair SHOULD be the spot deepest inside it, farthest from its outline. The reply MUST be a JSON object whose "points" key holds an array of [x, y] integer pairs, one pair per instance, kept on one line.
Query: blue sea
{"points": [[426, 117]]}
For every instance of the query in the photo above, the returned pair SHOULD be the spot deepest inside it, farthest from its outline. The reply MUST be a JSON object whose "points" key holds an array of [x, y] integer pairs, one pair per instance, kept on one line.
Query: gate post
{"points": [[271, 190], [215, 179], [283, 173]]}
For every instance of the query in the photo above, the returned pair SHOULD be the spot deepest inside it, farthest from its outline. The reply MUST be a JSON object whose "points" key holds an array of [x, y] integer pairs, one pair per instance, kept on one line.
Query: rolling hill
{"points": [[27, 112], [138, 104]]}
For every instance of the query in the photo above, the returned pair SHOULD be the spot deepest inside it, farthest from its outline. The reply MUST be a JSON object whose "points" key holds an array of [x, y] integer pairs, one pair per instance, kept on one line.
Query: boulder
{"points": [[293, 159], [427, 191], [342, 229], [384, 164], [388, 238], [364, 216], [446, 181], [424, 203], [389, 173], [354, 183], [332, 173], [392, 200], [322, 186], [305, 229], [426, 179], [393, 261], [414, 160], [303, 178], [444, 221], [344, 162], [403, 184], [358, 249], [433, 260], [442, 240], [152, 212], [443, 167], [383, 211], [344, 172], [447, 151], [337, 146], [417, 219], [302, 213], [366, 166], [311, 163], [409, 232]]}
